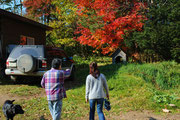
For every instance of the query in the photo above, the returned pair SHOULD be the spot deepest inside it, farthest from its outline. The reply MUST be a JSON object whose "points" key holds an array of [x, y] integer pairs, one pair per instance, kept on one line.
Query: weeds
{"points": [[165, 75], [164, 98]]}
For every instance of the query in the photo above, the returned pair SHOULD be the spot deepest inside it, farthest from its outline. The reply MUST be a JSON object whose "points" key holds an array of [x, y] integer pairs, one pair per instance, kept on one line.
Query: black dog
{"points": [[10, 109]]}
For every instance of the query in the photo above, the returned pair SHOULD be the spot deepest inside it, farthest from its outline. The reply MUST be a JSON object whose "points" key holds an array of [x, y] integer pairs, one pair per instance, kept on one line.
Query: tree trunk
{"points": [[21, 6], [14, 6]]}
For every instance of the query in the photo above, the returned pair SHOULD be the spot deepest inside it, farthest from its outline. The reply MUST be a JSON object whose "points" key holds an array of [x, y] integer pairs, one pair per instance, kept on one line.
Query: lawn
{"points": [[133, 87]]}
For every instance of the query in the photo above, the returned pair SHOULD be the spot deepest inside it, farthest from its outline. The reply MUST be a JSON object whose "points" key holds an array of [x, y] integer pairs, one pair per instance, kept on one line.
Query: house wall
{"points": [[1, 59], [12, 29], [123, 55]]}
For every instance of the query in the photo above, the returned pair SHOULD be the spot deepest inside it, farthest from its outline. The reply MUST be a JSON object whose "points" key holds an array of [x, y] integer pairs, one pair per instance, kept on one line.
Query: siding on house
{"points": [[13, 27]]}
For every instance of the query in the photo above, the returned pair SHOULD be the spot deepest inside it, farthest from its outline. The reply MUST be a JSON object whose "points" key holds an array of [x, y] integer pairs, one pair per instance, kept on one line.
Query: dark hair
{"points": [[56, 62], [93, 70]]}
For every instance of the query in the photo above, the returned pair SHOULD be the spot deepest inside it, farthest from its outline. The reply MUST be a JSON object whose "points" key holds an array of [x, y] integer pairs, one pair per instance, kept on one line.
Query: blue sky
{"points": [[3, 6]]}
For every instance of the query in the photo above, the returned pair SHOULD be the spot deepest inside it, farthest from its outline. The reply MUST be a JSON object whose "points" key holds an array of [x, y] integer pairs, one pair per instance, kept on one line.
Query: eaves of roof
{"points": [[116, 52], [23, 19]]}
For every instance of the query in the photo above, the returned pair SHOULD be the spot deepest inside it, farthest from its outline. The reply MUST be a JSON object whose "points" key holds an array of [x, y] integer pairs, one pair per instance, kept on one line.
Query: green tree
{"points": [[62, 21], [61, 16], [161, 31]]}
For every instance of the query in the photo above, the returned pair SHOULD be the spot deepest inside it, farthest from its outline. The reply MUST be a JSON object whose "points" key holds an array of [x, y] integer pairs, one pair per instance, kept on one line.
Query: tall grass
{"points": [[163, 75]]}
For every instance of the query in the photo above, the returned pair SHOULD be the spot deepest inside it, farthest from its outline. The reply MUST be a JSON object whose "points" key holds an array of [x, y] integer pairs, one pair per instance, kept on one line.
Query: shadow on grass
{"points": [[82, 72], [151, 118], [80, 76], [32, 81]]}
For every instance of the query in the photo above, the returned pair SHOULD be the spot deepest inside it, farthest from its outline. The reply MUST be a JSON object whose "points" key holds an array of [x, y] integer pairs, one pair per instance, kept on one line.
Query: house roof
{"points": [[116, 52], [23, 19]]}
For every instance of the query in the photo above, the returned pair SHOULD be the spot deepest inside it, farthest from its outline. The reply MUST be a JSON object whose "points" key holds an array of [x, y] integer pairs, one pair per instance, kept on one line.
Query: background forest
{"points": [[87, 27]]}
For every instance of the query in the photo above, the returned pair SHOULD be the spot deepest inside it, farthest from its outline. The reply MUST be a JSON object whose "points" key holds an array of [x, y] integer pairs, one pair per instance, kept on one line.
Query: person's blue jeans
{"points": [[92, 103], [55, 109]]}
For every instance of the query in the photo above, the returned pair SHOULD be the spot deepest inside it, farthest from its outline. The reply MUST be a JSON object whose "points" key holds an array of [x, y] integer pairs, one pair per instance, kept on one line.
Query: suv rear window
{"points": [[35, 51]]}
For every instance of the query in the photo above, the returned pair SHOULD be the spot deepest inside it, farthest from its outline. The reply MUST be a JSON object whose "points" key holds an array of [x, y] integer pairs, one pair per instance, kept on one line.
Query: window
{"points": [[24, 40], [30, 41]]}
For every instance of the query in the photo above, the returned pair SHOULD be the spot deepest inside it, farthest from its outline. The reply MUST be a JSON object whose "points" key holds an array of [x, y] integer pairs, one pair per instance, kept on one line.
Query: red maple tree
{"points": [[104, 22], [38, 8]]}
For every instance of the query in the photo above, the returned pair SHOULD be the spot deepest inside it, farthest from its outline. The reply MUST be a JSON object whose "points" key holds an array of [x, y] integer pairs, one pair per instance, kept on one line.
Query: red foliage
{"points": [[110, 36], [23, 40], [37, 7]]}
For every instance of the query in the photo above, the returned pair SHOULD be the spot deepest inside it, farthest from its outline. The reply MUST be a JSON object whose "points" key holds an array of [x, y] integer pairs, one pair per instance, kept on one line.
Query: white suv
{"points": [[35, 60]]}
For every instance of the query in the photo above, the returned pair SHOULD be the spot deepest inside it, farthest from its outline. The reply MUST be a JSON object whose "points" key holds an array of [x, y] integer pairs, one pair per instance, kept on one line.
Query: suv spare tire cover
{"points": [[26, 63]]}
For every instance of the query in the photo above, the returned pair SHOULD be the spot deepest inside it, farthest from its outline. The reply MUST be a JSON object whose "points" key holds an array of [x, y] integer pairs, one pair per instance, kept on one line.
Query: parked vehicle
{"points": [[35, 60], [3, 59]]}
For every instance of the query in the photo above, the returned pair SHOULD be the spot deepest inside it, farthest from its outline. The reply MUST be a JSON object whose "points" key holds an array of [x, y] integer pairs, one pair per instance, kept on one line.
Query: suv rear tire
{"points": [[26, 63], [13, 78]]}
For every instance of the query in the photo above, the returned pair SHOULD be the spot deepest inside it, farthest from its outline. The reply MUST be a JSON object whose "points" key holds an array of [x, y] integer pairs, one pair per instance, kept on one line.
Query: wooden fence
{"points": [[147, 58]]}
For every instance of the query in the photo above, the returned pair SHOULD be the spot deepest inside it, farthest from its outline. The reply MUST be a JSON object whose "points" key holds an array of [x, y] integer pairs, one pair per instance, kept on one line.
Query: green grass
{"points": [[163, 75], [133, 87], [20, 90], [25, 90]]}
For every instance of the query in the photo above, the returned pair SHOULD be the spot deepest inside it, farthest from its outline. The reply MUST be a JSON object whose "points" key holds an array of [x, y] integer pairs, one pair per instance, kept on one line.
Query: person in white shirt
{"points": [[95, 85]]}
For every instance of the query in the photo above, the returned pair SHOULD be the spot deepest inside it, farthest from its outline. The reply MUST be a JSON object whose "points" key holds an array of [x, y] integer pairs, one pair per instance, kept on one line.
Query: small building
{"points": [[119, 56], [15, 29]]}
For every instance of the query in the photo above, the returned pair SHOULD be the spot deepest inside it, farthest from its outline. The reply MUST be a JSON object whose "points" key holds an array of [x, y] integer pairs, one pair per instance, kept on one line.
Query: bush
{"points": [[82, 62]]}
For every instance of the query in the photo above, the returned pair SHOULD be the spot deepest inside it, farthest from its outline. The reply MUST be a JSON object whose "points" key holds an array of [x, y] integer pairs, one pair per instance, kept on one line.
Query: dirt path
{"points": [[145, 115], [6, 96], [138, 115]]}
